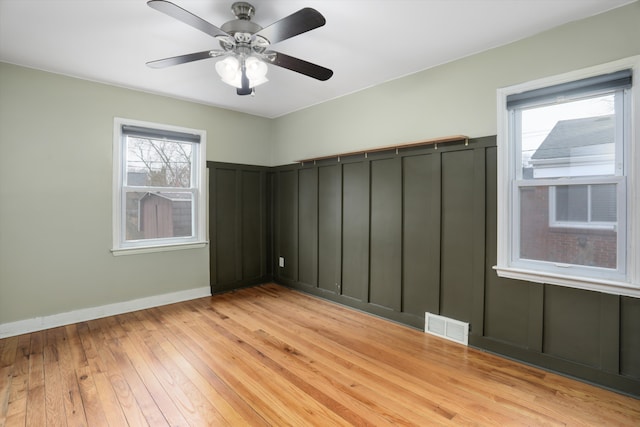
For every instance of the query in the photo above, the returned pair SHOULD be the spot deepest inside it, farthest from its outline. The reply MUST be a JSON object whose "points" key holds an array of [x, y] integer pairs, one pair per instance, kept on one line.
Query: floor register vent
{"points": [[444, 327]]}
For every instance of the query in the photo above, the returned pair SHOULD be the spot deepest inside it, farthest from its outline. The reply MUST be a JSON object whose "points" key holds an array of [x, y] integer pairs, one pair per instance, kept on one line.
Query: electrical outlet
{"points": [[281, 262]]}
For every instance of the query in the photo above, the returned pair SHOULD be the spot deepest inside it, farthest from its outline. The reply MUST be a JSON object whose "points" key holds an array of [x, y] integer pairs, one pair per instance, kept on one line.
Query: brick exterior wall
{"points": [[538, 241]]}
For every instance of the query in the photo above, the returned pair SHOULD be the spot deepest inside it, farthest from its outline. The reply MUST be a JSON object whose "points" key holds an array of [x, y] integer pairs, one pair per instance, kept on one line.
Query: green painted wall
{"points": [[56, 138], [238, 225]]}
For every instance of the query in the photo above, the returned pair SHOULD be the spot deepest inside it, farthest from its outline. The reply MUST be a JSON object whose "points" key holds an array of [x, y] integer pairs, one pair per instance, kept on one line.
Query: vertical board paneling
{"points": [[238, 225], [271, 228], [227, 241], [478, 239], [308, 226], [572, 324], [457, 224], [629, 337], [386, 236], [506, 301], [355, 234], [421, 235], [287, 224], [252, 224], [610, 332], [329, 227], [402, 232]]}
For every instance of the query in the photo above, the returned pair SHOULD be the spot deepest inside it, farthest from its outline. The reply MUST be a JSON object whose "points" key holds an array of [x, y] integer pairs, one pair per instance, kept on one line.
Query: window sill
{"points": [[586, 283], [159, 248], [581, 227]]}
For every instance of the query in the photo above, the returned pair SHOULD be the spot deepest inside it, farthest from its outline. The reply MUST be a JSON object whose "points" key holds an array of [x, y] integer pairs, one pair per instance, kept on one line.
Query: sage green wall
{"points": [[455, 98], [56, 136]]}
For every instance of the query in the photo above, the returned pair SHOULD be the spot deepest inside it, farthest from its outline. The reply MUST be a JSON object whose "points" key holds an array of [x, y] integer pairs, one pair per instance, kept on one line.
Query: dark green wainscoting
{"points": [[238, 232], [399, 233]]}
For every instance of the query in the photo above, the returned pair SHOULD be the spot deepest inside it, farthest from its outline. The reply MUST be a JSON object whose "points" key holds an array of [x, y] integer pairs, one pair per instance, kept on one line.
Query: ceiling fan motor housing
{"points": [[242, 24]]}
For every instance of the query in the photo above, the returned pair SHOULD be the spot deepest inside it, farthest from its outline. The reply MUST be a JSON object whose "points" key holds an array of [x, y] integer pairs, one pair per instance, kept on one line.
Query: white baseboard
{"points": [[40, 323]]}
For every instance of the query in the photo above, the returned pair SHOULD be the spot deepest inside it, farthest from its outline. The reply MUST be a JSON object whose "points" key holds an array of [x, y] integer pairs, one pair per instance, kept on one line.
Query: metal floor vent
{"points": [[444, 327]]}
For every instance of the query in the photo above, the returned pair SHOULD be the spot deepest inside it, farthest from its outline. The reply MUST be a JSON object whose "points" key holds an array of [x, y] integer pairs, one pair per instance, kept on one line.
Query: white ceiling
{"points": [[365, 42]]}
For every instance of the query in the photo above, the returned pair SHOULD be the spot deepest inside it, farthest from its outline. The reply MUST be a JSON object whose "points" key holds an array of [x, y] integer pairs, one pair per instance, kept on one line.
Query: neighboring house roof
{"points": [[589, 136]]}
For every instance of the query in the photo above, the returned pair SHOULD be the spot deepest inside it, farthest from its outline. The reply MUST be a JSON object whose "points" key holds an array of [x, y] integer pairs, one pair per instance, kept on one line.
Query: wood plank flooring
{"points": [[270, 356]]}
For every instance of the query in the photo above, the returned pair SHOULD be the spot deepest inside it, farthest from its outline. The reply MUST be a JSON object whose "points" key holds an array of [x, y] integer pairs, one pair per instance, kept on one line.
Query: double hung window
{"points": [[568, 180], [158, 186]]}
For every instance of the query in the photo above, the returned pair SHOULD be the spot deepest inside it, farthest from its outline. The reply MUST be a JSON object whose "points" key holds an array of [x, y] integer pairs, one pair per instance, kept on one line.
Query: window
{"points": [[583, 206], [158, 187], [568, 177]]}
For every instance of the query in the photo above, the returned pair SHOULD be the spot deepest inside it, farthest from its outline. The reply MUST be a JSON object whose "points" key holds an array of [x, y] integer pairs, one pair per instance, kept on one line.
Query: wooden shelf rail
{"points": [[434, 141]]}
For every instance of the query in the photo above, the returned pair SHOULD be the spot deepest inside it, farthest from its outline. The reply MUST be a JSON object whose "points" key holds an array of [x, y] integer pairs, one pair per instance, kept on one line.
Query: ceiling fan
{"points": [[245, 44]]}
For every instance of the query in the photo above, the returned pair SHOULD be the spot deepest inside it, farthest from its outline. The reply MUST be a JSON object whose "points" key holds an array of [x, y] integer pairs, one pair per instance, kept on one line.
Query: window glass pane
{"points": [[158, 215], [603, 203], [158, 163], [569, 139], [539, 241], [572, 203]]}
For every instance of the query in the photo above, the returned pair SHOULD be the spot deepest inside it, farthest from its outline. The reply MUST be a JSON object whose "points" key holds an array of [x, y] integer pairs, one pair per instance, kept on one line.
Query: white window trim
{"points": [[630, 285], [199, 240]]}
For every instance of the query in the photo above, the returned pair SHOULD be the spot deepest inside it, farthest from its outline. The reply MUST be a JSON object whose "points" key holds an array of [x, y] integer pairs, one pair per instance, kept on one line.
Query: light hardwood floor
{"points": [[272, 356]]}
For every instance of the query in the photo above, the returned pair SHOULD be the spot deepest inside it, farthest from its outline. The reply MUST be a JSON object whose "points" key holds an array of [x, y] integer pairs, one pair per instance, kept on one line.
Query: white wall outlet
{"points": [[281, 261]]}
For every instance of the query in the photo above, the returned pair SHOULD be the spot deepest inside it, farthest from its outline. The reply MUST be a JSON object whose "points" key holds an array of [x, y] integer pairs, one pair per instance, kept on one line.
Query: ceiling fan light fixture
{"points": [[230, 71], [228, 68], [256, 69]]}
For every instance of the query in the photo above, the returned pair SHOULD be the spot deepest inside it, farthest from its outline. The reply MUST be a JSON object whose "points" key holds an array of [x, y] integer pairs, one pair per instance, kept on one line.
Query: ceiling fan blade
{"points": [[187, 17], [298, 65], [183, 59], [297, 23]]}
